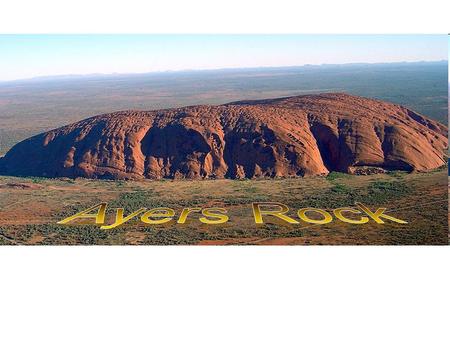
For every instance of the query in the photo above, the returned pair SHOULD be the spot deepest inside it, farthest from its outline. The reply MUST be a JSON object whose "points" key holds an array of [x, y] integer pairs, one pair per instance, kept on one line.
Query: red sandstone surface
{"points": [[295, 136]]}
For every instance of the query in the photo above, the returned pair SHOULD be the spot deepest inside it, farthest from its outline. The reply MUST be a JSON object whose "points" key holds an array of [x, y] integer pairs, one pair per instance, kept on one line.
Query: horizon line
{"points": [[73, 75]]}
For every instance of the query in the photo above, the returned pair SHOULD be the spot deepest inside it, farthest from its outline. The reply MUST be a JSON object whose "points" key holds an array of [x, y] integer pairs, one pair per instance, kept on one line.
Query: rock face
{"points": [[285, 137]]}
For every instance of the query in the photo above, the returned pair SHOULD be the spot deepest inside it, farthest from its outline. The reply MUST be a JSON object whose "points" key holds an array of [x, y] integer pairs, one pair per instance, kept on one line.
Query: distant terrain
{"points": [[29, 107]]}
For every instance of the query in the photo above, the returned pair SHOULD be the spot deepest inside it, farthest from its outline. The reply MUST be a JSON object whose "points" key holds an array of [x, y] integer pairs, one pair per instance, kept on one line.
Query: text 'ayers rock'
{"points": [[286, 137]]}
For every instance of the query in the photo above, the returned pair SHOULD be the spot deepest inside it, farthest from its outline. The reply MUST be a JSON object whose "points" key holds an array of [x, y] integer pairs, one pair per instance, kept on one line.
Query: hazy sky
{"points": [[25, 56]]}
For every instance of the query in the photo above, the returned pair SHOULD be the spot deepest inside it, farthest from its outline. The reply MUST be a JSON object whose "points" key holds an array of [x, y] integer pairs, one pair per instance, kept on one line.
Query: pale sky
{"points": [[27, 56]]}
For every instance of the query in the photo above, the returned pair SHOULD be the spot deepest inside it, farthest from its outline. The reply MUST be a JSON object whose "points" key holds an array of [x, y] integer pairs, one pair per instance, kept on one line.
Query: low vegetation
{"points": [[29, 216]]}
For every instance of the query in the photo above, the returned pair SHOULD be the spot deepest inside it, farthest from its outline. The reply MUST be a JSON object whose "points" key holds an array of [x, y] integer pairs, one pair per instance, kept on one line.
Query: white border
{"points": [[231, 16], [224, 292]]}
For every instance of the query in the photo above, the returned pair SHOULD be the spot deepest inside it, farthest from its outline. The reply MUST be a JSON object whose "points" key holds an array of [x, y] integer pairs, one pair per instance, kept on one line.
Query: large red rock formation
{"points": [[294, 136]]}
